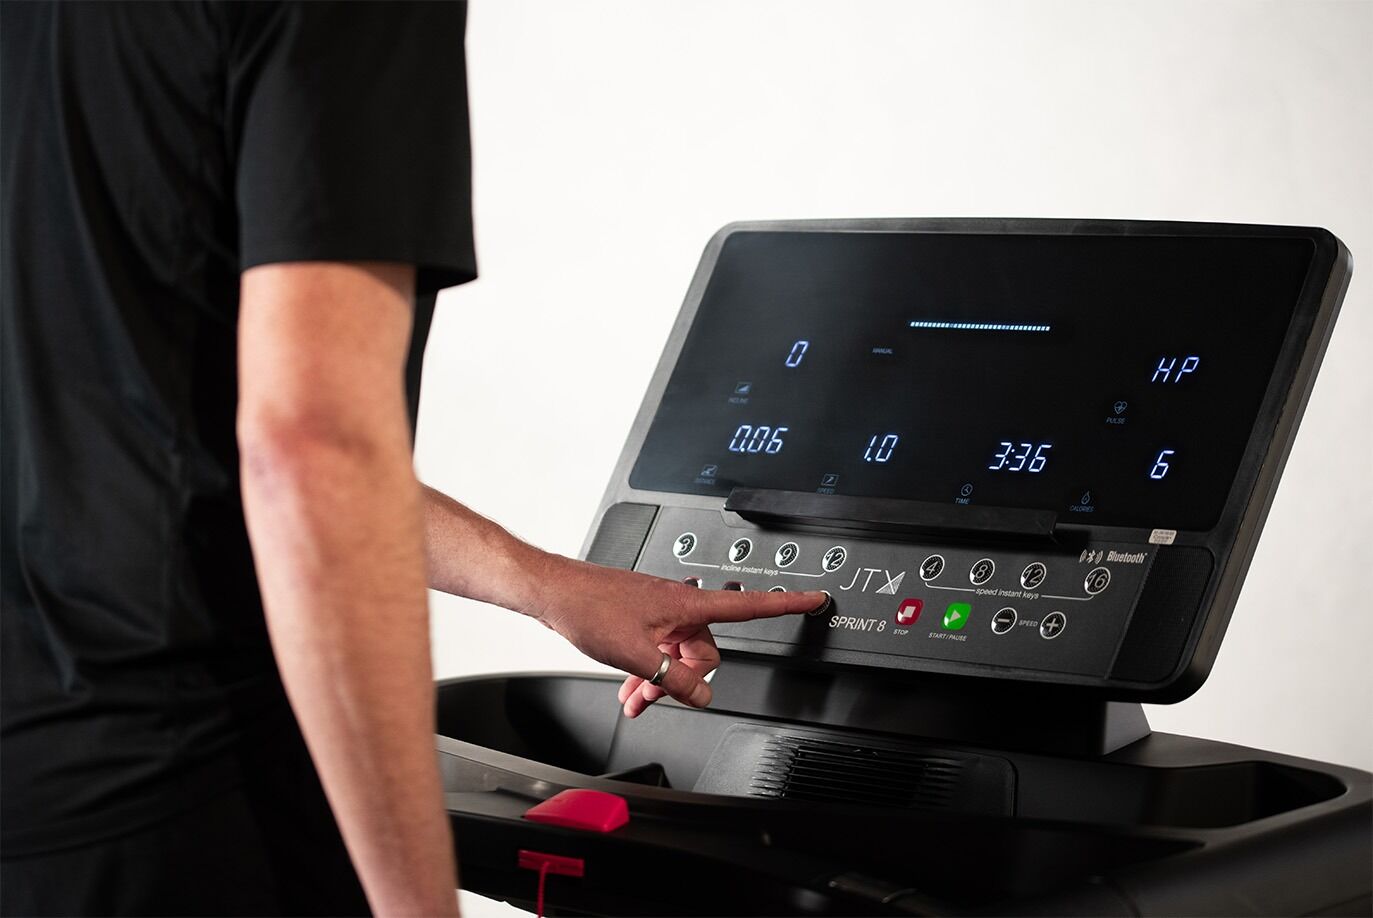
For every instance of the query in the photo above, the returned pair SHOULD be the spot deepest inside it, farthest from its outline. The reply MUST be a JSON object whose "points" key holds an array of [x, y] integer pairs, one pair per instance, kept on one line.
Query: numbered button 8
{"points": [[982, 571]]}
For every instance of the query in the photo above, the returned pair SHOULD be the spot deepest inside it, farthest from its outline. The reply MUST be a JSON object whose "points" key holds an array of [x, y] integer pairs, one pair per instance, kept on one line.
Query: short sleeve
{"points": [[352, 136]]}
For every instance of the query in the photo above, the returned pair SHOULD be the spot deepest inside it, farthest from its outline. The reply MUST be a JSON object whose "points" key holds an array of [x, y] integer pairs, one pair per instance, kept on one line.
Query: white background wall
{"points": [[612, 138]]}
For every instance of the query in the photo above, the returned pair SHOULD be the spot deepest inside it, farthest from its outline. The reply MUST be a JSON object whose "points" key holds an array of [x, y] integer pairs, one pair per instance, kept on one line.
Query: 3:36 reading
{"points": [[1013, 457]]}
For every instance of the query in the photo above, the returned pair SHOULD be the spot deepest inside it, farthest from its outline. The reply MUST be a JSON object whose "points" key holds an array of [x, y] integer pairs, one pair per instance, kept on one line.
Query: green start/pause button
{"points": [[956, 615]]}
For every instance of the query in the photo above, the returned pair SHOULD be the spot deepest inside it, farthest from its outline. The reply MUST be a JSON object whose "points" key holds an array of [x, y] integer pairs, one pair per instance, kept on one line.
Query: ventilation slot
{"points": [[621, 535], [804, 768]]}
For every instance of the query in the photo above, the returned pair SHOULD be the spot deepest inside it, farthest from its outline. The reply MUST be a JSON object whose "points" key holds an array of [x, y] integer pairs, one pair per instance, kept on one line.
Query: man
{"points": [[224, 227]]}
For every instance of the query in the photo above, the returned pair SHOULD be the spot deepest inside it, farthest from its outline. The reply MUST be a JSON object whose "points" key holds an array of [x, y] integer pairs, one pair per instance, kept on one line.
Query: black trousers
{"points": [[260, 849]]}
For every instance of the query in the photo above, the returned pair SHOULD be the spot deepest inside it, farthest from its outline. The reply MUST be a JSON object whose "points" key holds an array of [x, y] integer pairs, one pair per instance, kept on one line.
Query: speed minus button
{"points": [[1004, 620]]}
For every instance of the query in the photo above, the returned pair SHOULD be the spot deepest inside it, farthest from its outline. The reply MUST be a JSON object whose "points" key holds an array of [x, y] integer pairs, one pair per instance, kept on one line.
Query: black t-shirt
{"points": [[151, 152]]}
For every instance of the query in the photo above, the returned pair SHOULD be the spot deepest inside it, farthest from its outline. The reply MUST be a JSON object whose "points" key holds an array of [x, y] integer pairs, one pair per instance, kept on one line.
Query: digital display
{"points": [[1113, 379]]}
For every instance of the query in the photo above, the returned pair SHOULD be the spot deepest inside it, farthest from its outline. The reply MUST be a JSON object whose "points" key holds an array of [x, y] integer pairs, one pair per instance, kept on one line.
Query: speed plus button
{"points": [[1052, 625]]}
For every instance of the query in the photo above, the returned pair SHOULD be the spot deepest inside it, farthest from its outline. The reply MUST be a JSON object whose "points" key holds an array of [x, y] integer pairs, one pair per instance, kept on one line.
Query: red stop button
{"points": [[909, 611]]}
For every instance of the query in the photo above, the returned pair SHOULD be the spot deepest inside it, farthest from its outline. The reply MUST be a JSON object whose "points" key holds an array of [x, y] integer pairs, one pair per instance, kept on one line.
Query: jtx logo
{"points": [[889, 587]]}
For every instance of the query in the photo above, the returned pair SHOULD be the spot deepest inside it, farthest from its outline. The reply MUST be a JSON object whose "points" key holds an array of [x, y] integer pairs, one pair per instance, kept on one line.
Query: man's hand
{"points": [[630, 620], [620, 618]]}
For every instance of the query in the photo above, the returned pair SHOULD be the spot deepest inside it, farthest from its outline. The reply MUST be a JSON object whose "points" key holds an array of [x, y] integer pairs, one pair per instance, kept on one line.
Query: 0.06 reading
{"points": [[760, 439]]}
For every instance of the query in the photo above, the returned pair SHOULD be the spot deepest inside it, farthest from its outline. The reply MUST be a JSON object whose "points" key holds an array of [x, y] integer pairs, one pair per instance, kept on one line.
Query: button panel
{"points": [[1023, 607]]}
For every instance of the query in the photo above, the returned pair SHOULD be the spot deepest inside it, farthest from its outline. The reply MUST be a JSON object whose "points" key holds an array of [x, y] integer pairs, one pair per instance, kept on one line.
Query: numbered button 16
{"points": [[1096, 581]]}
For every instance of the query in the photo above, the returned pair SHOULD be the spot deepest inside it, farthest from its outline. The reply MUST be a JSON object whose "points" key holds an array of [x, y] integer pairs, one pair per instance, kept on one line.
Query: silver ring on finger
{"points": [[663, 667]]}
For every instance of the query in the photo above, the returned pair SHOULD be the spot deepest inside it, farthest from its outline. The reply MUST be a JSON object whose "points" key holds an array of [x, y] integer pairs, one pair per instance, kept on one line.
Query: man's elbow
{"points": [[299, 450]]}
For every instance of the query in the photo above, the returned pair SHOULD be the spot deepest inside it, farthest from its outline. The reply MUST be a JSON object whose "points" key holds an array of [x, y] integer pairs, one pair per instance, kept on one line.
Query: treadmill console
{"points": [[1032, 451]]}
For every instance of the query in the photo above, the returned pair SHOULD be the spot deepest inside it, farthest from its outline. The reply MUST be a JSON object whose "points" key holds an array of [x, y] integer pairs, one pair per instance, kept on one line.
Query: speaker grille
{"points": [[1163, 619], [621, 535]]}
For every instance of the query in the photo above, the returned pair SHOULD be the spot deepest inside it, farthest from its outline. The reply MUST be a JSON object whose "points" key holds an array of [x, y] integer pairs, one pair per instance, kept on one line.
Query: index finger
{"points": [[707, 607]]}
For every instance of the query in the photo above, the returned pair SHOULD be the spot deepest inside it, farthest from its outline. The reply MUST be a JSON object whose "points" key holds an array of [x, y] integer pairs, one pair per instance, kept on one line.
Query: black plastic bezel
{"points": [[1235, 535]]}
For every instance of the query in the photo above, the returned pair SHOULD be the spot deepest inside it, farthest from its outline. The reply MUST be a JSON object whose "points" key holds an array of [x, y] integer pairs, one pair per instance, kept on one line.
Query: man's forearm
{"points": [[337, 536], [469, 555]]}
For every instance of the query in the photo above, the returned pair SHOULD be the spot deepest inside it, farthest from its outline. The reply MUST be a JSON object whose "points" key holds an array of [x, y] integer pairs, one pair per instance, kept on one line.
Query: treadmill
{"points": [[1030, 461]]}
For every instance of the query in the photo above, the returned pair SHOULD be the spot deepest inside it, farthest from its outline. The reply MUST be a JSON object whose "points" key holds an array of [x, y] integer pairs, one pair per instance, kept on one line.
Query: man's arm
{"points": [[336, 521], [625, 619]]}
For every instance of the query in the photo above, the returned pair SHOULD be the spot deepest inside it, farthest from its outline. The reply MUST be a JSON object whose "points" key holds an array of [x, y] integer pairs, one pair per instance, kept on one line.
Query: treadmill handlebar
{"points": [[889, 515]]}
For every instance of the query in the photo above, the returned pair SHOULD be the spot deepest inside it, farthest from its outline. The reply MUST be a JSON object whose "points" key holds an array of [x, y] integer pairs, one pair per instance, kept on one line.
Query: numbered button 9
{"points": [[787, 554]]}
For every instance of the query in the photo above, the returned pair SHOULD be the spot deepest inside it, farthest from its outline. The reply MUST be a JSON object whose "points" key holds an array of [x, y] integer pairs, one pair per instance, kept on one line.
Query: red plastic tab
{"points": [[592, 810], [552, 863]]}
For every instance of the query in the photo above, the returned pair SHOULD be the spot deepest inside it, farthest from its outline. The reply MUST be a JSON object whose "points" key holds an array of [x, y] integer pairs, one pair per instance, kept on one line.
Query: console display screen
{"points": [[1113, 379]]}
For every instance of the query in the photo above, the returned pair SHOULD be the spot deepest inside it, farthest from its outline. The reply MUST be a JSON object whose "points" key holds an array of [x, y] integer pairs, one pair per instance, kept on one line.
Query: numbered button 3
{"points": [[685, 544]]}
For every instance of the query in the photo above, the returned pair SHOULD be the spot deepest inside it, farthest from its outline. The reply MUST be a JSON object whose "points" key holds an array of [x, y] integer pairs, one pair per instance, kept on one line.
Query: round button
{"points": [[692, 582], [834, 558], [777, 589], [825, 606], [1033, 575], [740, 550], [982, 571], [1004, 620], [1096, 581], [685, 544], [931, 567], [1052, 625], [787, 554], [733, 585]]}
